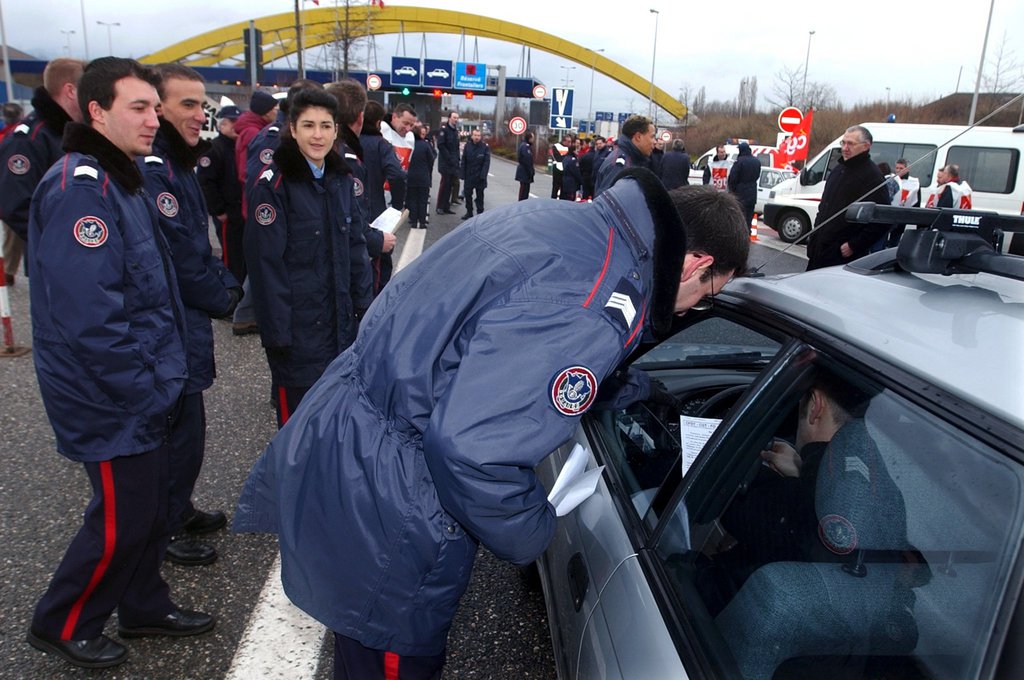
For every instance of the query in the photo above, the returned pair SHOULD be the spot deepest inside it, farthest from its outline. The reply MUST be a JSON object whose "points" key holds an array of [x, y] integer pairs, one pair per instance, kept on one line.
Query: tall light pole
{"points": [[654, 56], [593, 65], [85, 32], [807, 63], [67, 34], [567, 69], [981, 65], [110, 42]]}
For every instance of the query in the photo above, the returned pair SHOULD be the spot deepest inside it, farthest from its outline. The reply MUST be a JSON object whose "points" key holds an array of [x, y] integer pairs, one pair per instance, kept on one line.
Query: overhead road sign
{"points": [[470, 76], [437, 73], [405, 71]]}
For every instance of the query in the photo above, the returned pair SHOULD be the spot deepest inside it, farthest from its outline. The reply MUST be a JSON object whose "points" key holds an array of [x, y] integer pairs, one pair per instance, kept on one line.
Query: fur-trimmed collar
{"points": [[668, 250], [83, 139], [351, 139], [292, 164], [171, 141], [50, 112]]}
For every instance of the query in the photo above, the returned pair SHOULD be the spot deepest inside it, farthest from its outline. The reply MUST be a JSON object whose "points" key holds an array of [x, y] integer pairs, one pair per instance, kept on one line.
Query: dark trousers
{"points": [[478, 189], [416, 200], [353, 661], [445, 190], [524, 190], [456, 195], [287, 400], [114, 559], [187, 446], [229, 234], [556, 182], [748, 210]]}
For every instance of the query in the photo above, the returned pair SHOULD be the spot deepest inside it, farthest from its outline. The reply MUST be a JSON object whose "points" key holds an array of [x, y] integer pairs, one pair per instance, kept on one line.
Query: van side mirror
{"points": [[804, 177]]}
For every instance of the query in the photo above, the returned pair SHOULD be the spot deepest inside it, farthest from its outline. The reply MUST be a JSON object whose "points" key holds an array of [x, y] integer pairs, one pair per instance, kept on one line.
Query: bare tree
{"points": [[350, 36], [699, 100], [786, 88], [1003, 73]]}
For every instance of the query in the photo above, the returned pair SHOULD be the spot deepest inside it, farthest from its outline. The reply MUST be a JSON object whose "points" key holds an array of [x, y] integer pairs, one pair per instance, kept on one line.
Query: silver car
{"points": [[895, 549]]}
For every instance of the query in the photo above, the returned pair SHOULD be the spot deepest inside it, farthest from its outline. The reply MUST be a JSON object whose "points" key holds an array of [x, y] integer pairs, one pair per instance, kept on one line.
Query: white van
{"points": [[989, 160], [765, 154]]}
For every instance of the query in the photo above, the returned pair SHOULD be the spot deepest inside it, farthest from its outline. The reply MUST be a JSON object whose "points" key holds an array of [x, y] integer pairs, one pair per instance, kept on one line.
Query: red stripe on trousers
{"points": [[224, 240], [282, 403], [391, 665], [109, 543]]}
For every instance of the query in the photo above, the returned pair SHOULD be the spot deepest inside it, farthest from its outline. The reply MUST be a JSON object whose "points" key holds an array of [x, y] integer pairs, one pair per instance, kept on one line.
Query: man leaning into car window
{"points": [[420, 441]]}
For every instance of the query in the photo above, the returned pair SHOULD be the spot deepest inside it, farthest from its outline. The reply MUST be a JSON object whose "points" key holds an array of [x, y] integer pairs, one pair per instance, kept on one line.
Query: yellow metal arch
{"points": [[320, 26]]}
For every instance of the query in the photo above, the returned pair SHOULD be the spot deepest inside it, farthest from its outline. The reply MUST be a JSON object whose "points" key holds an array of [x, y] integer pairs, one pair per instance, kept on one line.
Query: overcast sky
{"points": [[919, 50]]}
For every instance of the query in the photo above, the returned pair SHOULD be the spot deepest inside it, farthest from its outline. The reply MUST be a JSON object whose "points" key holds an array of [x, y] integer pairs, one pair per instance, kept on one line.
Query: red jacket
{"points": [[247, 125]]}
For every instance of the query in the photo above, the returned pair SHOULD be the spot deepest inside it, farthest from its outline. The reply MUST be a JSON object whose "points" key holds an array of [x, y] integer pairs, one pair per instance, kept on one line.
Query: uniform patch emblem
{"points": [[573, 390], [18, 164], [204, 161], [624, 303], [267, 156], [358, 188], [91, 232], [167, 204], [838, 534], [265, 214]]}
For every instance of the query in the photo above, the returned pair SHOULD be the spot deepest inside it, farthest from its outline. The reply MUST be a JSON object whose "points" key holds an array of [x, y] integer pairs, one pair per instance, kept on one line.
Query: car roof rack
{"points": [[946, 241]]}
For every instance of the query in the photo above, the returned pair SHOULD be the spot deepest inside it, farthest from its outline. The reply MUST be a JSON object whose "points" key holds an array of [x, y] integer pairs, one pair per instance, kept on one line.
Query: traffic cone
{"points": [[753, 228]]}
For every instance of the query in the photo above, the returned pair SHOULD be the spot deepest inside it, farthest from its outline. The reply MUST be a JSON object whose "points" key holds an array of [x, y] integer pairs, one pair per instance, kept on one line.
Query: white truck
{"points": [[989, 160]]}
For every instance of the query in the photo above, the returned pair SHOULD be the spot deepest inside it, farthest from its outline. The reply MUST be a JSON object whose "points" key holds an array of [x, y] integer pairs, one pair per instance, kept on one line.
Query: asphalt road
{"points": [[499, 632]]}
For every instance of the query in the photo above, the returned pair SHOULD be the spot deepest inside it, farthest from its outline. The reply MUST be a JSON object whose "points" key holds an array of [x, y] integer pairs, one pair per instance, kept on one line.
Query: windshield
{"points": [[712, 341]]}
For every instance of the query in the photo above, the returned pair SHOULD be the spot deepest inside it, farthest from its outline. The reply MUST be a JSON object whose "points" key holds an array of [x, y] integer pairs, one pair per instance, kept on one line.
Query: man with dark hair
{"points": [[834, 241], [31, 148], [410, 415], [476, 163], [206, 287], [351, 96], [109, 350], [633, 150], [218, 177], [448, 163], [525, 169]]}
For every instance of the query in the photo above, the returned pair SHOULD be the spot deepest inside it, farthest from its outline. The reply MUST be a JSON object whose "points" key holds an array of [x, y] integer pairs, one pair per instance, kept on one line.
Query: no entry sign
{"points": [[790, 119]]}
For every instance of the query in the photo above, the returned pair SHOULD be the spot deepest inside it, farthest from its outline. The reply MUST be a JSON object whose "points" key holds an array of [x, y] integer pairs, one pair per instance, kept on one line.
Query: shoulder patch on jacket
{"points": [[204, 161], [620, 161], [265, 214], [91, 232], [153, 160], [573, 390], [167, 203], [22, 129], [267, 156], [623, 303], [18, 164], [267, 175]]}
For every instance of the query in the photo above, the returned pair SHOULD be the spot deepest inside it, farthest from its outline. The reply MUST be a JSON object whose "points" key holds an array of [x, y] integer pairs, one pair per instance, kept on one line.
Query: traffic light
{"points": [[469, 94], [438, 92], [405, 91]]}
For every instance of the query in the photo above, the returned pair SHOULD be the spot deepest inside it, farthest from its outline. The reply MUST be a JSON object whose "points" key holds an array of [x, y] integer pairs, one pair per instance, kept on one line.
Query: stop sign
{"points": [[790, 119]]}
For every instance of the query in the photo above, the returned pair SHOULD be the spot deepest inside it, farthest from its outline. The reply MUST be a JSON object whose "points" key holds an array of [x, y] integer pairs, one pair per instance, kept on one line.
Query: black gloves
{"points": [[661, 396], [236, 297]]}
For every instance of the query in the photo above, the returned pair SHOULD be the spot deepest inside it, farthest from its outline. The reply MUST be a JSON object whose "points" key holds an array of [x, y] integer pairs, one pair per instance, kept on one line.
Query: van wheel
{"points": [[792, 226]]}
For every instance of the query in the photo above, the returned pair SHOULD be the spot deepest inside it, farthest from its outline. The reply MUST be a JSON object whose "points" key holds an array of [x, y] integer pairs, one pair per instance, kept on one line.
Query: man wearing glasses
{"points": [[855, 178]]}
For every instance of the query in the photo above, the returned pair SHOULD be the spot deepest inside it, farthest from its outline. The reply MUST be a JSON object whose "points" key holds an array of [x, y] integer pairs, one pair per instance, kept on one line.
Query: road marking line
{"points": [[412, 248], [280, 640]]}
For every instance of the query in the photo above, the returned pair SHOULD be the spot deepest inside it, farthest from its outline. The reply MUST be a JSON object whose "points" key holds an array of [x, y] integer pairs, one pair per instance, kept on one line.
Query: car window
{"points": [[885, 547], [707, 367], [818, 172], [986, 169]]}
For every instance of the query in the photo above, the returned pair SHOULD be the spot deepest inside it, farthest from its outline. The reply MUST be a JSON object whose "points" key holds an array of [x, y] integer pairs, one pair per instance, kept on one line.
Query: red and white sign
{"points": [[665, 136], [517, 125], [796, 146], [540, 92], [373, 82], [790, 119]]}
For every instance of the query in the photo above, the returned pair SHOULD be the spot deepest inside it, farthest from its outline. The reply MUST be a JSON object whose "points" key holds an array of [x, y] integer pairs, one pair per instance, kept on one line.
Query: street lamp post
{"points": [[67, 34], [807, 63], [981, 65], [110, 42], [654, 56], [593, 65], [566, 75]]}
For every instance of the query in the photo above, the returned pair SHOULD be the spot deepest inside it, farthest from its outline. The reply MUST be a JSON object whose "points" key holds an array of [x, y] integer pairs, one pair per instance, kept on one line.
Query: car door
{"points": [[605, 619]]}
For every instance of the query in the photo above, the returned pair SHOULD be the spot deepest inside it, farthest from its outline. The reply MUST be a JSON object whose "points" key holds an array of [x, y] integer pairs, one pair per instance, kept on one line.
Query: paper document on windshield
{"points": [[390, 220], [694, 433], [575, 483]]}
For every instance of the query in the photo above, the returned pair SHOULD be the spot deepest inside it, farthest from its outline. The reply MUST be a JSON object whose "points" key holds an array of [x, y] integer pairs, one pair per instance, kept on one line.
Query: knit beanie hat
{"points": [[261, 102]]}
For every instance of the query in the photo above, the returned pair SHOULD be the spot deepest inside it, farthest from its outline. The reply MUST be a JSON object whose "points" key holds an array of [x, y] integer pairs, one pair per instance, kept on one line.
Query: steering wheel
{"points": [[707, 409]]}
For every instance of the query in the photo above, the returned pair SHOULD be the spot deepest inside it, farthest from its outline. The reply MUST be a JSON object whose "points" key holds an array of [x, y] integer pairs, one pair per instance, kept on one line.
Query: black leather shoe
{"points": [[205, 522], [179, 623], [188, 552], [466, 216], [100, 652]]}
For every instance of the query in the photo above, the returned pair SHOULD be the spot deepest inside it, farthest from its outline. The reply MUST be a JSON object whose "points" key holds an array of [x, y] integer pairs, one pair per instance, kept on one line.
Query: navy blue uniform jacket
{"points": [[107, 324], [476, 163], [203, 280], [306, 254], [420, 441]]}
